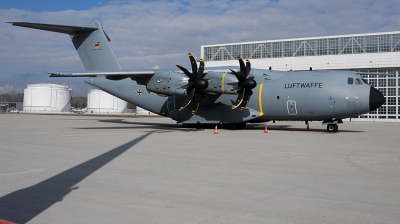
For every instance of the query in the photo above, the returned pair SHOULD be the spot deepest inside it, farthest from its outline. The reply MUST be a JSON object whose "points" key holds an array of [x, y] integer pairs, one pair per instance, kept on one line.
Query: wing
{"points": [[102, 73]]}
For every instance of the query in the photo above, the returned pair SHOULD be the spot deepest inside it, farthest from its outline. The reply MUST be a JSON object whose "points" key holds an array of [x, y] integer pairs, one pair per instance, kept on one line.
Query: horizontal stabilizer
{"points": [[101, 73], [71, 30]]}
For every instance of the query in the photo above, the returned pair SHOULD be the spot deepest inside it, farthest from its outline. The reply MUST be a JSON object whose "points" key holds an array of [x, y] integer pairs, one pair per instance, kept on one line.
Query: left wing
{"points": [[102, 73]]}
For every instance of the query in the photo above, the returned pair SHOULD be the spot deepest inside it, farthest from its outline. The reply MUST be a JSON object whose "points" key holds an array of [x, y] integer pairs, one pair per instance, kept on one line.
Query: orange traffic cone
{"points": [[216, 130], [265, 129]]}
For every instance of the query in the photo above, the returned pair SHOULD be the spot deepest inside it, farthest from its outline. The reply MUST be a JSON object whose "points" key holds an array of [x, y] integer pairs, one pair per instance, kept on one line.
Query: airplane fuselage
{"points": [[279, 95]]}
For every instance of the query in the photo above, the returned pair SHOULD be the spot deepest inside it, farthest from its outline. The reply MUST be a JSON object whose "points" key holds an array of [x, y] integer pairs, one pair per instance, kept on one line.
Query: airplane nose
{"points": [[376, 99]]}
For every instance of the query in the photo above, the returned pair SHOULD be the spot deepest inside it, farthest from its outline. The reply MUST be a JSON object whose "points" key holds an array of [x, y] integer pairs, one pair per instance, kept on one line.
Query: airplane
{"points": [[228, 96]]}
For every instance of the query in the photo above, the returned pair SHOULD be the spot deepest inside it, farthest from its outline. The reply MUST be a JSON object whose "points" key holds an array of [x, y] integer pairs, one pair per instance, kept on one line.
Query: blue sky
{"points": [[146, 34], [50, 5]]}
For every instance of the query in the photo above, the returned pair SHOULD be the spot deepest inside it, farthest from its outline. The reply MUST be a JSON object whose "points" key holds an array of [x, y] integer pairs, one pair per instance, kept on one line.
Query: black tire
{"points": [[227, 126], [240, 125], [330, 128], [336, 127]]}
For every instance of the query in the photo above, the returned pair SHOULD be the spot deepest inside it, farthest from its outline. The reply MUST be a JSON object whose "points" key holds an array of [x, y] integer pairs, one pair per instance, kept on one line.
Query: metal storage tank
{"points": [[100, 102], [47, 98]]}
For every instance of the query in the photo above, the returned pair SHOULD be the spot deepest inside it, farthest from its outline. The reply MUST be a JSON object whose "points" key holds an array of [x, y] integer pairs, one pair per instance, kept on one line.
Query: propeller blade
{"points": [[242, 67], [248, 68], [194, 65], [188, 99], [187, 86], [245, 100], [184, 70], [203, 95], [239, 100], [238, 76], [195, 103], [201, 69]]}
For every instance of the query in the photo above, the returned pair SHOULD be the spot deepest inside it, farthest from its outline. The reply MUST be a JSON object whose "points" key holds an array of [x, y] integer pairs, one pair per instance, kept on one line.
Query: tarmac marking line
{"points": [[109, 134], [23, 172]]}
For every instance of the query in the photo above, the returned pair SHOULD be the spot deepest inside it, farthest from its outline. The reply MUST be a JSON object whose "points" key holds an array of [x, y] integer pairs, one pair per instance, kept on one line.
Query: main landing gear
{"points": [[331, 125]]}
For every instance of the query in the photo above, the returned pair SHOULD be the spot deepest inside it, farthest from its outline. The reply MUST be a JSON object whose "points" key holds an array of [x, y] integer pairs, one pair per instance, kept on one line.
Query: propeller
{"points": [[245, 84], [196, 85]]}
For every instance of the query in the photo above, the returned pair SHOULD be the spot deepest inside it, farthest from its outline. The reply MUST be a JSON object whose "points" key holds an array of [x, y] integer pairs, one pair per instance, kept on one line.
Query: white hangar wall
{"points": [[369, 53], [46, 98], [100, 102], [360, 61]]}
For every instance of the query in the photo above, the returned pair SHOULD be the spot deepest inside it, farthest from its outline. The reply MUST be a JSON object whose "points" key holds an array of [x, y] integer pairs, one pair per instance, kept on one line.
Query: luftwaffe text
{"points": [[304, 85]]}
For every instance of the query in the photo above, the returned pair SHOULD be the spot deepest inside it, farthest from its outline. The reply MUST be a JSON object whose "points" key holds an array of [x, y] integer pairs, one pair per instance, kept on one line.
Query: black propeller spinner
{"points": [[246, 83], [196, 84]]}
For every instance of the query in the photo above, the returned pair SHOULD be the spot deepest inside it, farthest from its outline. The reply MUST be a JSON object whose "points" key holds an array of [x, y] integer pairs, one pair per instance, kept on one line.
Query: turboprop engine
{"points": [[197, 84], [168, 83]]}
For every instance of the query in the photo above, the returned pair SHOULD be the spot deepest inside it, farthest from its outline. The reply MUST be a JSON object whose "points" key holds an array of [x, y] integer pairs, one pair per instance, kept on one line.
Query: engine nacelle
{"points": [[221, 82], [168, 83], [171, 83]]}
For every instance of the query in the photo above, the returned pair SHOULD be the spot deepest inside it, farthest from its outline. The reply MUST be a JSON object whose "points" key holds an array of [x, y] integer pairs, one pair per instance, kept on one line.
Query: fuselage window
{"points": [[350, 81], [358, 81]]}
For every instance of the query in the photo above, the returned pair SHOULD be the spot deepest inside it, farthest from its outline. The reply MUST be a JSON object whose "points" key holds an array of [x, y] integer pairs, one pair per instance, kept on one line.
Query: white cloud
{"points": [[9, 89], [145, 34]]}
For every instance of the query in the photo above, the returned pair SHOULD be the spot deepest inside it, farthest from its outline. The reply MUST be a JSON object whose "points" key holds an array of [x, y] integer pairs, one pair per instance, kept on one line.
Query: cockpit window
{"points": [[350, 81], [365, 81], [358, 81]]}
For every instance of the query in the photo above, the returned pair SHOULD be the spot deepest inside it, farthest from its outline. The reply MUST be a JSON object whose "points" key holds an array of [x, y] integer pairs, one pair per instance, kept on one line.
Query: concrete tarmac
{"points": [[85, 169]]}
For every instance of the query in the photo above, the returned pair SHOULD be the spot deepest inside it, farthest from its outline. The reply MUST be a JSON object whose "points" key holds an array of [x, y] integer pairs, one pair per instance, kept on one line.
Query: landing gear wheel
{"points": [[240, 125], [227, 126], [332, 127]]}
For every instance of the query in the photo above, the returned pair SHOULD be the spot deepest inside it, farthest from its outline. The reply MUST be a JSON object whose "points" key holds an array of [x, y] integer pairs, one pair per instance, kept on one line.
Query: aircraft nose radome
{"points": [[376, 99]]}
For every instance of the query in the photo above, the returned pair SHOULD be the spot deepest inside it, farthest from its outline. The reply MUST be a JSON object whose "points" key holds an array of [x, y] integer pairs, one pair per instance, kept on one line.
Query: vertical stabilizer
{"points": [[94, 49], [90, 41]]}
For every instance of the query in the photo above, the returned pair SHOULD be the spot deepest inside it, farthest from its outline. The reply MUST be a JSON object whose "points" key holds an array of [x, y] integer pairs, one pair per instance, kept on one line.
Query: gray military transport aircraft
{"points": [[229, 96]]}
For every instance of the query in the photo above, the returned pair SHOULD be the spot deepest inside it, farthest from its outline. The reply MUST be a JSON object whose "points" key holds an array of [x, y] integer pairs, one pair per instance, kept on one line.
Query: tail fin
{"points": [[90, 41]]}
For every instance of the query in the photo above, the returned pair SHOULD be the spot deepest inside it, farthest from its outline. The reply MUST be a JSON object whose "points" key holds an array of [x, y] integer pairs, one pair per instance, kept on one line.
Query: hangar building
{"points": [[369, 53]]}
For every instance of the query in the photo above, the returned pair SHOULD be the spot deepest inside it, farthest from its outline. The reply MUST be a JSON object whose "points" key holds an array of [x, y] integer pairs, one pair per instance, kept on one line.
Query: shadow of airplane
{"points": [[177, 127], [23, 205]]}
